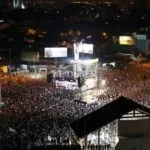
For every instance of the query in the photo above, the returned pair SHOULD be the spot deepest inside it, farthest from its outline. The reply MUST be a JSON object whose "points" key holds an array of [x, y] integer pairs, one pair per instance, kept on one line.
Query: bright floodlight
{"points": [[86, 61], [23, 6]]}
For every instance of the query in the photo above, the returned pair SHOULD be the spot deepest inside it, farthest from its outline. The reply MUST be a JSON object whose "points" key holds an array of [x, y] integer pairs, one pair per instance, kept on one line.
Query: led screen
{"points": [[50, 52], [127, 40]]}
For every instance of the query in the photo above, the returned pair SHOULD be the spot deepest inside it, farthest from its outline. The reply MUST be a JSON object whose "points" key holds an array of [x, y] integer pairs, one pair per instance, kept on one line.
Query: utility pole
{"points": [[9, 60]]}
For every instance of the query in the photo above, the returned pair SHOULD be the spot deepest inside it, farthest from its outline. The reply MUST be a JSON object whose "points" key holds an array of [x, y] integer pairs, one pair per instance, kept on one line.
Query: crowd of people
{"points": [[35, 110], [37, 113]]}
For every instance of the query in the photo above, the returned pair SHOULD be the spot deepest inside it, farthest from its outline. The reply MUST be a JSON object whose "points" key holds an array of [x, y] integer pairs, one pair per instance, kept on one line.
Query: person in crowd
{"points": [[37, 113]]}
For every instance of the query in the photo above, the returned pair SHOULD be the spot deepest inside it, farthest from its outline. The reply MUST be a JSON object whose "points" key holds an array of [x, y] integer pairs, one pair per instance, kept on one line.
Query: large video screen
{"points": [[29, 56], [127, 40], [51, 52], [84, 48]]}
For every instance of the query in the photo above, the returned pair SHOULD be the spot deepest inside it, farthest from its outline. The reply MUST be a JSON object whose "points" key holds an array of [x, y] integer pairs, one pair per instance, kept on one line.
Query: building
{"points": [[142, 43], [132, 125]]}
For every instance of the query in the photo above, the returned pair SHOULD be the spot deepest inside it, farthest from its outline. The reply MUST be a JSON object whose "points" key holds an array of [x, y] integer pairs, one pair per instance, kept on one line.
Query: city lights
{"points": [[74, 74]]}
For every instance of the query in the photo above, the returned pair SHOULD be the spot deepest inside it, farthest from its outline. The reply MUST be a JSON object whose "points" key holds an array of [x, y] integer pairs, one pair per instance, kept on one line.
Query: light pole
{"points": [[9, 60]]}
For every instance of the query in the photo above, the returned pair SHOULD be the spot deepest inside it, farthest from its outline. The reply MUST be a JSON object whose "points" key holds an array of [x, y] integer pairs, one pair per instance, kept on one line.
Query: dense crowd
{"points": [[36, 112]]}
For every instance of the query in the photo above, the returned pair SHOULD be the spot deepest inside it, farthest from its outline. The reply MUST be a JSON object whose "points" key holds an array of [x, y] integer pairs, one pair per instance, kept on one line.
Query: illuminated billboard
{"points": [[4, 69], [29, 56], [127, 40], [51, 52], [84, 48], [141, 40], [140, 37]]}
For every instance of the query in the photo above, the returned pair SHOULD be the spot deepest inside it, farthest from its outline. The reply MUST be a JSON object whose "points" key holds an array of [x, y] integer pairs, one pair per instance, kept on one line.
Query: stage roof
{"points": [[106, 114]]}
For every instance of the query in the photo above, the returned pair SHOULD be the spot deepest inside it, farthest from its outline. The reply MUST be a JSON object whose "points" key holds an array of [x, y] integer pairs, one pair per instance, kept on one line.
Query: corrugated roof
{"points": [[105, 115]]}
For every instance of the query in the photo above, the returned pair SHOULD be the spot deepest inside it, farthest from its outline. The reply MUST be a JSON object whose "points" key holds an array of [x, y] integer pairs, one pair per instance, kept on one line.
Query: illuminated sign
{"points": [[140, 36], [51, 52], [127, 40]]}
